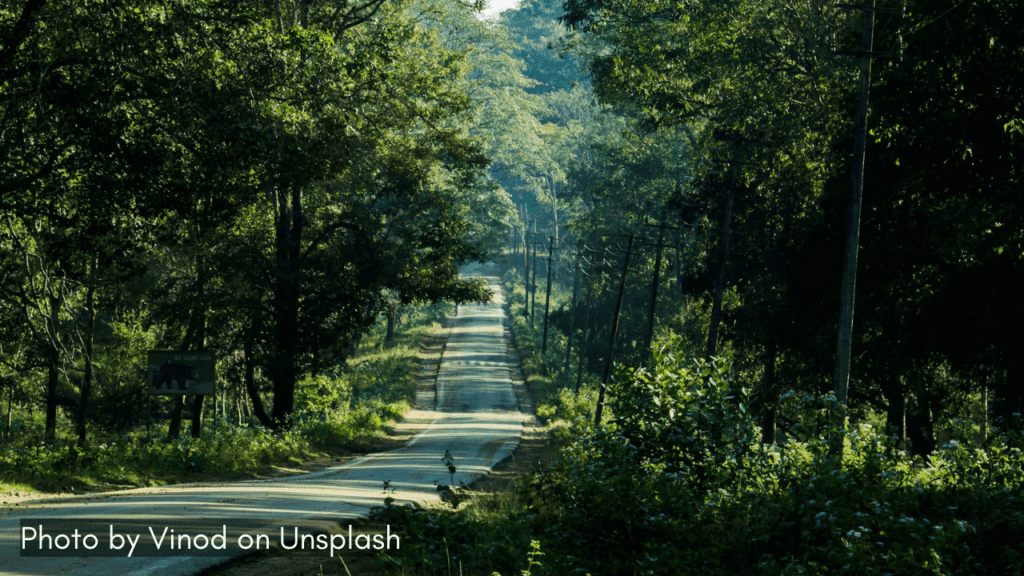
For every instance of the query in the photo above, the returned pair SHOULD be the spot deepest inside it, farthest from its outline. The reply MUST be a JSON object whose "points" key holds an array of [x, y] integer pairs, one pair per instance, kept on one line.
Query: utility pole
{"points": [[572, 315], [526, 243], [841, 384], [526, 266], [547, 297], [615, 330], [586, 336], [533, 284]]}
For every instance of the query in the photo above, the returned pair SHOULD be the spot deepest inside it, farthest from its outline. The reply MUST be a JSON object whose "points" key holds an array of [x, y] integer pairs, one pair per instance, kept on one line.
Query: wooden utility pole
{"points": [[526, 271], [844, 346], [586, 336], [533, 283], [526, 244], [547, 297], [572, 315], [615, 330]]}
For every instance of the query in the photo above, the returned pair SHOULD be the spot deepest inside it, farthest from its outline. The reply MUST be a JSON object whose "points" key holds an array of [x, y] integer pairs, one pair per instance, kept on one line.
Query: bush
{"points": [[679, 484]]}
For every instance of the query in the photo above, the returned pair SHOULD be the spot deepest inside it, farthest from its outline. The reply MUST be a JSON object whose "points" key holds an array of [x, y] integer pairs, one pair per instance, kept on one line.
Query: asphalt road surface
{"points": [[476, 419]]}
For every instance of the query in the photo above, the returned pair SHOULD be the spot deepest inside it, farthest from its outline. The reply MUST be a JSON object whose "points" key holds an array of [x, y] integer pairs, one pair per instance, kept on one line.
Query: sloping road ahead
{"points": [[476, 417]]}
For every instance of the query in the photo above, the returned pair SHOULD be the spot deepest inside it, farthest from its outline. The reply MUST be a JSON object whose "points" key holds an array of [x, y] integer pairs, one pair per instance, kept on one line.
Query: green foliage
{"points": [[631, 496], [437, 541], [136, 459], [552, 382], [347, 408], [689, 415], [336, 413]]}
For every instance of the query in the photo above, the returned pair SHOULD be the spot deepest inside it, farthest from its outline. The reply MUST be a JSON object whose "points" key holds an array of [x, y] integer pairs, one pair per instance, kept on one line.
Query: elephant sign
{"points": [[181, 373]]}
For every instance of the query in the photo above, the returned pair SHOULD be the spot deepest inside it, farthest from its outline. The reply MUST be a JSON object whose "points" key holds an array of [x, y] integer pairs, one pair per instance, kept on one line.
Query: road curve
{"points": [[476, 417]]}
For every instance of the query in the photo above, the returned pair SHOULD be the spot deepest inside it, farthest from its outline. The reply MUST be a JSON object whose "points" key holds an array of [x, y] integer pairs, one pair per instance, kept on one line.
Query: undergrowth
{"points": [[678, 482], [339, 412]]}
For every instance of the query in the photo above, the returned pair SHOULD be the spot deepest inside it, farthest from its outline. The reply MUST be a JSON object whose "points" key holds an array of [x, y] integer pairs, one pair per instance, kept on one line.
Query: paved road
{"points": [[476, 418]]}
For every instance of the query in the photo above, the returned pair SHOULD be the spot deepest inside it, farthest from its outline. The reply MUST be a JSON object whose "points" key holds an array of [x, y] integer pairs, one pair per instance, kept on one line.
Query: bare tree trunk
{"points": [[197, 415], [574, 307], [547, 295]]}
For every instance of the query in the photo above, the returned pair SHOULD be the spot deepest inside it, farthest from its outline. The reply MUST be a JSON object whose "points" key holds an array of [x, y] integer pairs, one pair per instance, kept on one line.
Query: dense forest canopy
{"points": [[266, 180], [257, 176], [761, 99], [263, 179]]}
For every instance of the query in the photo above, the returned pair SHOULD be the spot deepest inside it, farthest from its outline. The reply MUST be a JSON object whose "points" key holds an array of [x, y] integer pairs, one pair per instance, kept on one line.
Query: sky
{"points": [[496, 6]]}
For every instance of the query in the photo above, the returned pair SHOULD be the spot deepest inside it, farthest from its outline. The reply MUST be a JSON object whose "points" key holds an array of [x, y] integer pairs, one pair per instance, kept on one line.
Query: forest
{"points": [[778, 247]]}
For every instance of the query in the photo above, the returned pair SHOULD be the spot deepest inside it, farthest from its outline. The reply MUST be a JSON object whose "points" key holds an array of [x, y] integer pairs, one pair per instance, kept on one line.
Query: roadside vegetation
{"points": [[678, 481], [338, 413]]}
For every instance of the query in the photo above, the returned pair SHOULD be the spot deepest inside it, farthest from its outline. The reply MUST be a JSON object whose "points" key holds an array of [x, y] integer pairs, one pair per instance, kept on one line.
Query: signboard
{"points": [[179, 373]]}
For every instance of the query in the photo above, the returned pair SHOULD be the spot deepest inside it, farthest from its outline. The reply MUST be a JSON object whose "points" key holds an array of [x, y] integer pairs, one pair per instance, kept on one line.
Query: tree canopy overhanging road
{"points": [[763, 258]]}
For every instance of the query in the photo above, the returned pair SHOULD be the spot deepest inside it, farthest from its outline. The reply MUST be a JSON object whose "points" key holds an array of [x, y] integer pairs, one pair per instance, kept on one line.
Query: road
{"points": [[476, 418]]}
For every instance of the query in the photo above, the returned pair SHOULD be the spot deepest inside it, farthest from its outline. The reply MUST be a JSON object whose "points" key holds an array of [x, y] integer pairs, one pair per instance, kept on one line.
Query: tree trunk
{"points": [[389, 337], [526, 247], [533, 282], [284, 369], [919, 430], [250, 382], [573, 308], [1008, 401], [768, 395], [984, 415], [197, 415], [547, 295], [649, 340], [238, 407], [896, 415], [582, 353], [53, 370], [716, 307], [614, 333], [174, 428], [10, 407], [90, 331]]}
